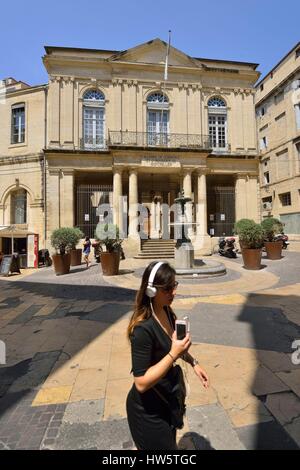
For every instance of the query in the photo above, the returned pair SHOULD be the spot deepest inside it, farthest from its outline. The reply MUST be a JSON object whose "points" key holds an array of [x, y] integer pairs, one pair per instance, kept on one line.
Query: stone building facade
{"points": [[277, 103], [108, 128]]}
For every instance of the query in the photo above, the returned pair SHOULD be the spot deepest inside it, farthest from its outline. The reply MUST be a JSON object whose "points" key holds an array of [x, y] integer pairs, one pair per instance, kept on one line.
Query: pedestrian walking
{"points": [[87, 250], [156, 402]]}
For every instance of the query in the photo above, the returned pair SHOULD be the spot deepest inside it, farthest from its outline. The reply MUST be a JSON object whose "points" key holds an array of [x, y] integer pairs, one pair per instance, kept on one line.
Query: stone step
{"points": [[146, 243], [156, 248], [159, 248], [154, 256], [156, 253]]}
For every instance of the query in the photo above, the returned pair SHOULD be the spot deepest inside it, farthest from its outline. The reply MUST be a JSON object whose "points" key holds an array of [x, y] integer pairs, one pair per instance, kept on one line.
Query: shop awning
{"points": [[14, 231]]}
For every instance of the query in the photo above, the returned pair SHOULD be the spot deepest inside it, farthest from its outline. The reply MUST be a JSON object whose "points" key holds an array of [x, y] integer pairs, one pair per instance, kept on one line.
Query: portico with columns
{"points": [[141, 196]]}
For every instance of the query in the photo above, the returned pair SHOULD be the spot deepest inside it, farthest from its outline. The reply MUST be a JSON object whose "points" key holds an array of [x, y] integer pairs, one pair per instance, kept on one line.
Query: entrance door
{"points": [[88, 199], [157, 215], [220, 210]]}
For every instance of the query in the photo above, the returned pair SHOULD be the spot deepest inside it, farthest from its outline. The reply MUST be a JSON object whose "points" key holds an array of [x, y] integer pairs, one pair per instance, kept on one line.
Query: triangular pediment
{"points": [[154, 52]]}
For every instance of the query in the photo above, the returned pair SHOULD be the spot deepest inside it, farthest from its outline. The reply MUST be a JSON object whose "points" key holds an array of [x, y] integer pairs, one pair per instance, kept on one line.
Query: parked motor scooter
{"points": [[284, 238], [227, 247]]}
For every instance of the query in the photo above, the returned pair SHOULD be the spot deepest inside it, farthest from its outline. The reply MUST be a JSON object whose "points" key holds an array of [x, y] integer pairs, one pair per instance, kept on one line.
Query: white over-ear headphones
{"points": [[152, 291]]}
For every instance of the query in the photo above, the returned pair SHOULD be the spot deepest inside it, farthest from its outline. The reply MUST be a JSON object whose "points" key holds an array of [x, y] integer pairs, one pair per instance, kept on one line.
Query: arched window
{"points": [[157, 98], [93, 119], [18, 207], [157, 119], [217, 122], [93, 95]]}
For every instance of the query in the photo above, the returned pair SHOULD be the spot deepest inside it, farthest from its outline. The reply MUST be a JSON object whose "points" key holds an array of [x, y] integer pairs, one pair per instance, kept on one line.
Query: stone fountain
{"points": [[185, 264]]}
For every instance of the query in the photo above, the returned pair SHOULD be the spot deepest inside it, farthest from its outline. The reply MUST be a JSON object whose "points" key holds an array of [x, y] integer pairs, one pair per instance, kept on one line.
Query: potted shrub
{"points": [[76, 253], [108, 236], [251, 236], [271, 227], [61, 240], [241, 224]]}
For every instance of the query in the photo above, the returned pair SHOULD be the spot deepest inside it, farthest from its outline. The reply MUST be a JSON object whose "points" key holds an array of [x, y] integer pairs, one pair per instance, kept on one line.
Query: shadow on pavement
{"points": [[65, 325], [274, 323], [198, 442]]}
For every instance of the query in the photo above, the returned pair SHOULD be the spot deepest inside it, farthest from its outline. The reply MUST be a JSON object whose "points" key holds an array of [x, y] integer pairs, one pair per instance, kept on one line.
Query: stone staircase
{"points": [[156, 249]]}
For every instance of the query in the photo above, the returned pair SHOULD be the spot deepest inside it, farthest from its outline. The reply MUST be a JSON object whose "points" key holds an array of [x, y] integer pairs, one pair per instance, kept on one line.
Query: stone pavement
{"points": [[67, 370]]}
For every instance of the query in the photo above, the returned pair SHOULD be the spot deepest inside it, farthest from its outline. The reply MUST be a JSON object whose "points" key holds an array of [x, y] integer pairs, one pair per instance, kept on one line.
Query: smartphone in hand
{"points": [[182, 327]]}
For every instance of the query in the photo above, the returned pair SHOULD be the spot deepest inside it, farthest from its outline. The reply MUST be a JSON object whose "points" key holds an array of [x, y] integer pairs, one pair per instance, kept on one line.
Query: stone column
{"points": [[153, 220], [117, 198], [203, 242], [202, 204], [253, 198], [241, 211], [133, 203], [67, 198], [187, 188], [53, 202], [157, 222]]}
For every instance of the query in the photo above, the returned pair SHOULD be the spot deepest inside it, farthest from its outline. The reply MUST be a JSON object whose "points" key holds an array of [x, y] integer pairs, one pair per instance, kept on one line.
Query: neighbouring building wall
{"points": [[278, 128], [21, 158]]}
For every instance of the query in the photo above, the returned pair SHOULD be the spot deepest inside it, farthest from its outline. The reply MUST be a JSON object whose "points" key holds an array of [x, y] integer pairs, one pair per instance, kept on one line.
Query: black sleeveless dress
{"points": [[149, 417]]}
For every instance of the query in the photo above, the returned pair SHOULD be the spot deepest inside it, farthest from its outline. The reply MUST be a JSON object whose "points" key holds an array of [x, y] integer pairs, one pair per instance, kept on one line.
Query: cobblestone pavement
{"points": [[67, 370]]}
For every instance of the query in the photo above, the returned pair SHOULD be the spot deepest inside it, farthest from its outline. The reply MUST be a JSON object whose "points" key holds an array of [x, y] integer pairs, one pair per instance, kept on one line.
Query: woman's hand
{"points": [[179, 346], [202, 375]]}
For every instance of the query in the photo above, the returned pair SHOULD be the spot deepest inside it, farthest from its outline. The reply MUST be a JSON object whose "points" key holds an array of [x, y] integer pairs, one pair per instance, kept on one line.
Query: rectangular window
{"points": [[261, 87], [280, 116], [217, 130], [158, 127], [298, 154], [266, 177], [283, 164], [285, 199], [279, 97], [260, 112], [297, 52], [93, 127], [297, 115], [18, 124], [263, 143], [296, 84], [18, 207]]}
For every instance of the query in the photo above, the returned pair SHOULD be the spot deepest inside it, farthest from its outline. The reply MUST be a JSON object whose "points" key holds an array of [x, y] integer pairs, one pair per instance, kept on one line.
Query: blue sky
{"points": [[260, 31]]}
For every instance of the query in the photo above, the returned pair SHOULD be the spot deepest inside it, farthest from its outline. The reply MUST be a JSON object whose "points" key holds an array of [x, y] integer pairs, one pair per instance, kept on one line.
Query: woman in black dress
{"points": [[155, 402]]}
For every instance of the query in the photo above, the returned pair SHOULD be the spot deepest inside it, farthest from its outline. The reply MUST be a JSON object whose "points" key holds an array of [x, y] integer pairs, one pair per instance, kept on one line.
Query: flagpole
{"points": [[165, 79], [167, 58]]}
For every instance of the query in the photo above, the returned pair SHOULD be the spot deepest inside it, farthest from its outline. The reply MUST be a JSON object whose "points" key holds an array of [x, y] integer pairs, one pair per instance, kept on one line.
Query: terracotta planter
{"points": [[273, 249], [110, 263], [252, 258], [241, 245], [76, 256], [61, 263]]}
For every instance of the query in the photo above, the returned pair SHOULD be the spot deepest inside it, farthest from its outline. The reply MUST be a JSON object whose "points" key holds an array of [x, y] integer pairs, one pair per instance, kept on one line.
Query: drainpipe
{"points": [[44, 175]]}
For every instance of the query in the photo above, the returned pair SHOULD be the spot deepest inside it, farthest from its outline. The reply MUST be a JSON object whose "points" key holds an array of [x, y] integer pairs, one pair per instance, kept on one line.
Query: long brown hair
{"points": [[142, 308]]}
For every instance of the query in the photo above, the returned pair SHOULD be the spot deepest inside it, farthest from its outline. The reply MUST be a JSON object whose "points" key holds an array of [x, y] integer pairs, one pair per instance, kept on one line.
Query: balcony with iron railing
{"points": [[158, 140], [148, 140]]}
